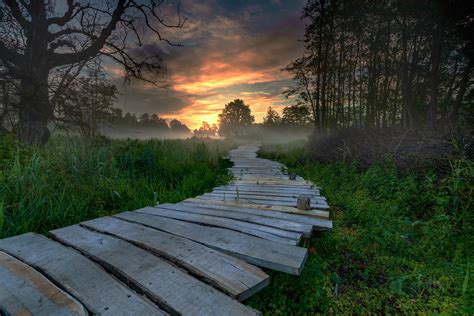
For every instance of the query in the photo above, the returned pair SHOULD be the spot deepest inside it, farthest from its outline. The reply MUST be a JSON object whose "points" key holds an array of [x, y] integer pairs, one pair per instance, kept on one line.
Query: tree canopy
{"points": [[271, 117], [386, 63], [235, 118]]}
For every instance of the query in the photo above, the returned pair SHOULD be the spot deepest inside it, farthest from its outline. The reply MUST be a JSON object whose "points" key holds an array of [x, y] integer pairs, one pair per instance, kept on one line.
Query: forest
{"points": [[387, 63], [374, 109]]}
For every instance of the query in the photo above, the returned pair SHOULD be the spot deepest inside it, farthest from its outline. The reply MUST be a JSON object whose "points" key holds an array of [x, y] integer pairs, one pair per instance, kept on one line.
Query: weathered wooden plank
{"points": [[170, 287], [25, 291], [274, 188], [254, 250], [317, 223], [284, 209], [90, 284], [261, 231], [235, 277], [258, 197], [243, 192], [274, 182], [269, 201], [265, 189], [284, 225], [315, 200]]}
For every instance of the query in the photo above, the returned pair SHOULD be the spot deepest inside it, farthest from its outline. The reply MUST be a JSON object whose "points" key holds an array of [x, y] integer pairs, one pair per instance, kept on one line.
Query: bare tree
{"points": [[36, 38], [87, 103]]}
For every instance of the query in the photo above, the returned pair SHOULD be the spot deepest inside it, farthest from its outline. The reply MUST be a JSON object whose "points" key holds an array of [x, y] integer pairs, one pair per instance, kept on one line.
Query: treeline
{"points": [[386, 63], [87, 106], [146, 120]]}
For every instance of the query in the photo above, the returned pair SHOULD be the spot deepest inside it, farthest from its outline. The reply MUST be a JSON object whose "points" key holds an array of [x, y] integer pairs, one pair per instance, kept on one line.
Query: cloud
{"points": [[231, 49]]}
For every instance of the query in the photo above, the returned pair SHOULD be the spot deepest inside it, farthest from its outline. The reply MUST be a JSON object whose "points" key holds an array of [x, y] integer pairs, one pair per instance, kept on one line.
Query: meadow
{"points": [[73, 179], [401, 243]]}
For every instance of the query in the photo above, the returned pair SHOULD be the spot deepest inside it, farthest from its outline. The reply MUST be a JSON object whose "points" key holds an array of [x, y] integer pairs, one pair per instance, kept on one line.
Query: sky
{"points": [[229, 49]]}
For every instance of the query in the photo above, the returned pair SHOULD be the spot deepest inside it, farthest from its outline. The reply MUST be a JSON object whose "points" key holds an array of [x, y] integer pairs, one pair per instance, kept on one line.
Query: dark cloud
{"points": [[230, 48]]}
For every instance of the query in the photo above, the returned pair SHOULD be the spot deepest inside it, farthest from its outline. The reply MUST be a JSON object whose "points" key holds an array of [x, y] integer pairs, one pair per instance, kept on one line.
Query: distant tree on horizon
{"points": [[272, 117], [235, 118], [206, 130], [178, 127]]}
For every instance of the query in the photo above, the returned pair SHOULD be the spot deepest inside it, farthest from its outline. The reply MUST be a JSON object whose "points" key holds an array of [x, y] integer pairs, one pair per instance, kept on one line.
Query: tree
{"points": [[272, 117], [385, 63], [158, 122], [296, 114], [36, 41], [130, 119], [144, 119], [206, 130], [87, 103], [235, 118], [178, 127]]}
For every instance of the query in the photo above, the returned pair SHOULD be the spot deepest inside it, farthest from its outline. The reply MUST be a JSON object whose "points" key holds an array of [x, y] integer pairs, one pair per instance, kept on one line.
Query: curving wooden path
{"points": [[201, 256]]}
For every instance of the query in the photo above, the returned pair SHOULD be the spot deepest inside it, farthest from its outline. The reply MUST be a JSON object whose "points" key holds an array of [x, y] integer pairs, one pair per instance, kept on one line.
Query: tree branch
{"points": [[16, 12], [97, 45]]}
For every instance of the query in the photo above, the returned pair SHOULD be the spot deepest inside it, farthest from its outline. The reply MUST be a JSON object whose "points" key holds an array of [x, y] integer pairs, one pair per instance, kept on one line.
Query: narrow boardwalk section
{"points": [[201, 256]]}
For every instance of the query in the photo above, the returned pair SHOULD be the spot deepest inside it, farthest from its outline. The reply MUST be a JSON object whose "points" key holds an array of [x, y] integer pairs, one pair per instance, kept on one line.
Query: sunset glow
{"points": [[228, 52]]}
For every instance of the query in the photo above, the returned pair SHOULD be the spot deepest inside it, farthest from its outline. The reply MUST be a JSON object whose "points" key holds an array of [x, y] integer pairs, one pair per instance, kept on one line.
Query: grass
{"points": [[402, 244], [72, 180]]}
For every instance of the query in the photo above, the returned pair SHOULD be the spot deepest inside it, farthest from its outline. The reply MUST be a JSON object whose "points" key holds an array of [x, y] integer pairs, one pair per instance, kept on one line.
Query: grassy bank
{"points": [[401, 243], [72, 180]]}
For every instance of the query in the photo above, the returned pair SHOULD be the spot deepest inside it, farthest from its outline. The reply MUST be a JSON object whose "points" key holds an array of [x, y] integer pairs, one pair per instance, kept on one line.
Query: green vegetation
{"points": [[401, 244], [72, 180]]}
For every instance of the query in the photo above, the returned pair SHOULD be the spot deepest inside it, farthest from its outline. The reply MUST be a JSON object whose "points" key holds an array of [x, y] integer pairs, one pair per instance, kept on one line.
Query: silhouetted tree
{"points": [[206, 130], [158, 122], [178, 127], [36, 40], [235, 118], [385, 63], [272, 117], [87, 103], [144, 119], [296, 114]]}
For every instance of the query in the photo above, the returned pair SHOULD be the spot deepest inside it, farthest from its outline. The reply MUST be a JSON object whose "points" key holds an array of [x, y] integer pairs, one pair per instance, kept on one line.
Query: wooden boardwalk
{"points": [[201, 256]]}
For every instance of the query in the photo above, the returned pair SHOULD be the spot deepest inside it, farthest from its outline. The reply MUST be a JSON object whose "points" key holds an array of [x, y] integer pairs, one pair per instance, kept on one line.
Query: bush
{"points": [[401, 244], [410, 150]]}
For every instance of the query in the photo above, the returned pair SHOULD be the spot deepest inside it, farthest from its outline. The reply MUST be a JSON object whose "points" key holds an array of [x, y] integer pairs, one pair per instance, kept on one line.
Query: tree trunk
{"points": [[35, 110], [434, 80], [465, 77]]}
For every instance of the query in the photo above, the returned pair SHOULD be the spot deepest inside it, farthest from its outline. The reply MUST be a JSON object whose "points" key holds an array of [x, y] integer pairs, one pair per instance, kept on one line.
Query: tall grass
{"points": [[72, 180], [401, 244]]}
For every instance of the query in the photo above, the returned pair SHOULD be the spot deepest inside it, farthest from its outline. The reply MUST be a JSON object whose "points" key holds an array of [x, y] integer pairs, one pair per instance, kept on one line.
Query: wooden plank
{"points": [[263, 188], [96, 289], [170, 287], [261, 252], [284, 209], [281, 224], [256, 191], [25, 291], [261, 231], [316, 223], [273, 182], [258, 201], [233, 276], [316, 200], [266, 194]]}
